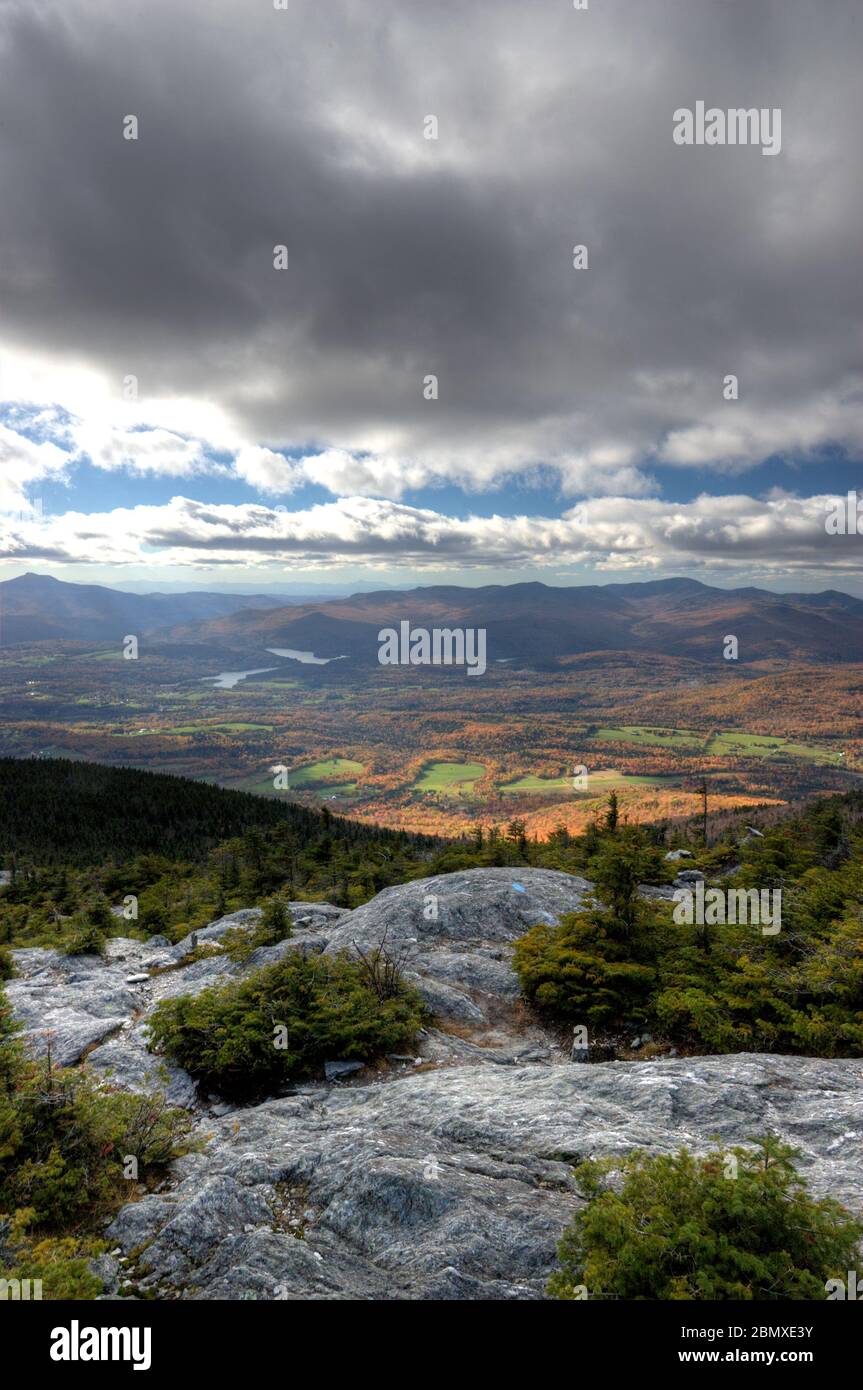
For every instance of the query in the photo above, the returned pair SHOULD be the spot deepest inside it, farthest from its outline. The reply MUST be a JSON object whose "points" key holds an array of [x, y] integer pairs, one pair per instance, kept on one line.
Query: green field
{"points": [[451, 779], [302, 780], [323, 771], [655, 738], [532, 785], [766, 746], [730, 744], [229, 728], [601, 780]]}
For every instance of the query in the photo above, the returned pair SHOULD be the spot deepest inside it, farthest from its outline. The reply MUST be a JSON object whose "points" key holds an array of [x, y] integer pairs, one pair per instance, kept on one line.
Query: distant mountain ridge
{"points": [[532, 623], [543, 626], [37, 607]]}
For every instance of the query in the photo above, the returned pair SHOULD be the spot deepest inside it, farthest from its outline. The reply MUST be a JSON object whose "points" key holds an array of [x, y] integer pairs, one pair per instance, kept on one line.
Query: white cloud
{"points": [[737, 435], [781, 535], [23, 465], [271, 473], [157, 452]]}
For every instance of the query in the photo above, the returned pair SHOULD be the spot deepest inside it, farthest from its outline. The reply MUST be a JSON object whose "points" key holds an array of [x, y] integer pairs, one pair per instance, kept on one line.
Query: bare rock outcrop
{"points": [[444, 1174], [458, 1183]]}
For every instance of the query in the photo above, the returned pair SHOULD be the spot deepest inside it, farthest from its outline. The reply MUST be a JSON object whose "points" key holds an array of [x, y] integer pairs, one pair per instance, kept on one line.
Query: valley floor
{"points": [[438, 754]]}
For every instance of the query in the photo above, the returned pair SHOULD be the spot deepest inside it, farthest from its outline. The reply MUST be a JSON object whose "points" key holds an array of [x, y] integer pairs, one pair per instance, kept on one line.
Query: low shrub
{"points": [[89, 930], [283, 1021], [274, 925], [65, 1148], [735, 1224], [60, 1264]]}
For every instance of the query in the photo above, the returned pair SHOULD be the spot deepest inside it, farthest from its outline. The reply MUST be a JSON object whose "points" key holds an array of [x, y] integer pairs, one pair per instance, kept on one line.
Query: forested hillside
{"points": [[60, 811]]}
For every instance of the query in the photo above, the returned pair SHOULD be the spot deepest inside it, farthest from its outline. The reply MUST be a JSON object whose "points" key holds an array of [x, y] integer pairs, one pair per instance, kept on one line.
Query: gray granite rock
{"points": [[457, 1184], [454, 932], [308, 918], [336, 1071], [125, 1062], [69, 1003], [451, 1179]]}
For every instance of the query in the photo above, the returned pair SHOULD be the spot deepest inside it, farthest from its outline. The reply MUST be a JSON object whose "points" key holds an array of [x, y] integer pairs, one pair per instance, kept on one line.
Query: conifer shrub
{"points": [[274, 925], [583, 971], [624, 963], [154, 920], [735, 1224], [89, 930], [599, 967], [65, 1141], [65, 1145], [286, 1020], [60, 1264]]}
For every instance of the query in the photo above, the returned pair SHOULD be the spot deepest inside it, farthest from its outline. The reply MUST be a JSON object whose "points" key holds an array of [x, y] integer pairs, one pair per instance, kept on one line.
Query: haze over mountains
{"points": [[543, 626], [37, 607], [528, 623]]}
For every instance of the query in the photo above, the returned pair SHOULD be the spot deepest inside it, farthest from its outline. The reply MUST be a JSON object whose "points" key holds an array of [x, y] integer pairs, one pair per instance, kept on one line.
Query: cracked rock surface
{"points": [[458, 1183], [444, 1174]]}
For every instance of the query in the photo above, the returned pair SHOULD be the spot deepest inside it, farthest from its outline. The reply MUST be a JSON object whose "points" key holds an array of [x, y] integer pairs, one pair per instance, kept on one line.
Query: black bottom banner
{"points": [[83, 1340]]}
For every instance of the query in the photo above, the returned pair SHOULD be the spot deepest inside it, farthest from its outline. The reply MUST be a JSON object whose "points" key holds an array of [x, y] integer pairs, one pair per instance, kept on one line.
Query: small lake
{"points": [[226, 680], [307, 658]]}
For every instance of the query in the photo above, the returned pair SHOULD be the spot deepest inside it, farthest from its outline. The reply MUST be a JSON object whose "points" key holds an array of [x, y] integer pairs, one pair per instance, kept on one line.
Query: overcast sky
{"points": [[282, 431]]}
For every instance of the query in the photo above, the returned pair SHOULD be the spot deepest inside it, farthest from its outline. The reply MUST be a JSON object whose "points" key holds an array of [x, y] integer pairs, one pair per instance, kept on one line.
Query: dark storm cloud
{"points": [[452, 257]]}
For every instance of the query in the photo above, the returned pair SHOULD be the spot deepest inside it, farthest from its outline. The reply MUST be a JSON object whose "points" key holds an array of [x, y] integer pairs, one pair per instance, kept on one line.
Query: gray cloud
{"points": [[453, 257]]}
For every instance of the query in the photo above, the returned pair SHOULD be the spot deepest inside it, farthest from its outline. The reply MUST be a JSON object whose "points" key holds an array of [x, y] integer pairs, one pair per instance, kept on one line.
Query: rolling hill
{"points": [[37, 607], [55, 810], [542, 626]]}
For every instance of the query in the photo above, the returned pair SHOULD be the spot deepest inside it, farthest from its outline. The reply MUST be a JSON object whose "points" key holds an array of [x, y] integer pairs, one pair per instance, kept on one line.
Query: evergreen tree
{"points": [[275, 924], [735, 1224]]}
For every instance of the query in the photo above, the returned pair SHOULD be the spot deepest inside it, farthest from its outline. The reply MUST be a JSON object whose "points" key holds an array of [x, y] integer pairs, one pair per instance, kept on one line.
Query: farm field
{"points": [[453, 779], [532, 785], [655, 738], [229, 728], [602, 778], [439, 754], [761, 746], [324, 771], [733, 742], [318, 780]]}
